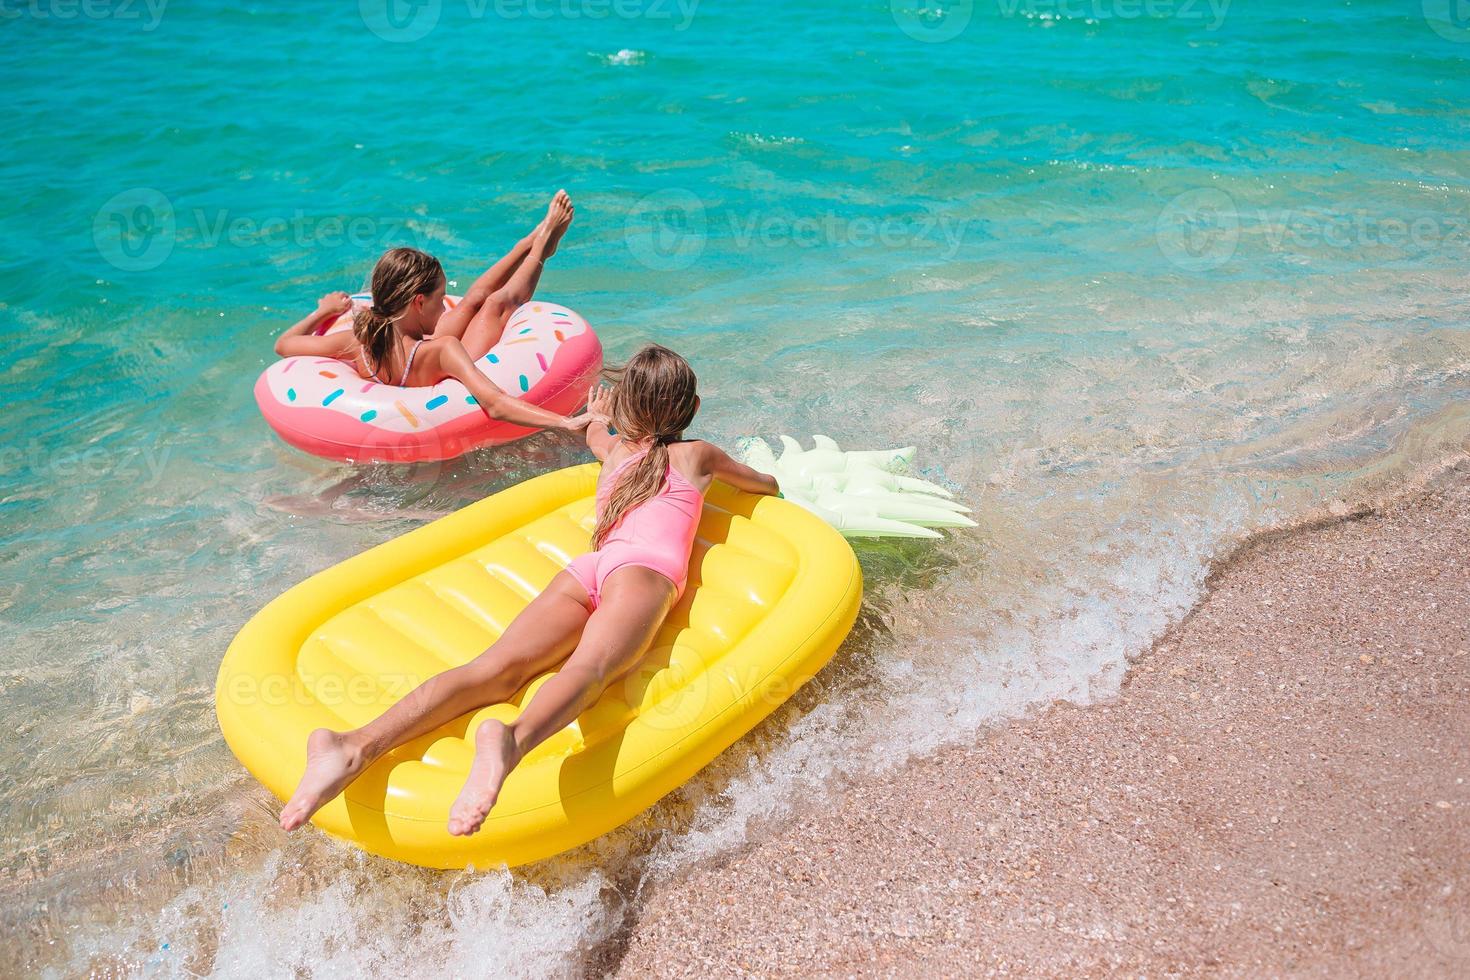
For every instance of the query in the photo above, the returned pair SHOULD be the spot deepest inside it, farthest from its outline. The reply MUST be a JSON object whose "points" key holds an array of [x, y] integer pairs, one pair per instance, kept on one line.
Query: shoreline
{"points": [[930, 865], [1279, 787]]}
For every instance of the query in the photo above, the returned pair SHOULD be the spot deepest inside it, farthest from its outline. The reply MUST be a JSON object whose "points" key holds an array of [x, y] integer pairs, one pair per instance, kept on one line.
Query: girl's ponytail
{"points": [[639, 482], [375, 334]]}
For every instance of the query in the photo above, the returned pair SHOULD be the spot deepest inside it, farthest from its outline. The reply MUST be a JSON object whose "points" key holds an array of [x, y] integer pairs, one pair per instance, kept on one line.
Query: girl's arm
{"points": [[719, 464], [455, 361], [600, 439], [301, 339]]}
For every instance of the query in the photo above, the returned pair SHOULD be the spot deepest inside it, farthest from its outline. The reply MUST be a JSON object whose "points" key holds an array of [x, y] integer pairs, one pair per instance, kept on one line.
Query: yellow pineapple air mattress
{"points": [[772, 592]]}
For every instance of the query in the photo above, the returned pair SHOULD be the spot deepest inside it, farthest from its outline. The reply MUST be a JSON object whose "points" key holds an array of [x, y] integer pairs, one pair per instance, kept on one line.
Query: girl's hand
{"points": [[304, 338], [600, 438], [578, 423], [599, 402], [334, 304]]}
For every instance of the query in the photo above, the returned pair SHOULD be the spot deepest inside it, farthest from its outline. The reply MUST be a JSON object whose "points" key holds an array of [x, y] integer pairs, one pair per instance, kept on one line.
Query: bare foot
{"points": [[552, 208], [495, 757], [558, 216], [331, 763]]}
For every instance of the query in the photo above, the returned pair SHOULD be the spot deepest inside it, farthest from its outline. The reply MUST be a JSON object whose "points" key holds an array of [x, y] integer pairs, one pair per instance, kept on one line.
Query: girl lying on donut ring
{"points": [[407, 338]]}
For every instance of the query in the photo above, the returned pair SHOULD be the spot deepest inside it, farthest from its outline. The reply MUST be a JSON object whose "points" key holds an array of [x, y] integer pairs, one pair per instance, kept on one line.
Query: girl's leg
{"points": [[457, 321], [544, 633], [489, 321], [635, 601]]}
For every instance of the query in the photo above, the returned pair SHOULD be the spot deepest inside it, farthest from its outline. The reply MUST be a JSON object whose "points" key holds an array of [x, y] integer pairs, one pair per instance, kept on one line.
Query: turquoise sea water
{"points": [[1135, 277]]}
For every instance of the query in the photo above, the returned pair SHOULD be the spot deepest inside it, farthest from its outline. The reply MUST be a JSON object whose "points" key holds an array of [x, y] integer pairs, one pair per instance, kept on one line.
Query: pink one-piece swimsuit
{"points": [[657, 534]]}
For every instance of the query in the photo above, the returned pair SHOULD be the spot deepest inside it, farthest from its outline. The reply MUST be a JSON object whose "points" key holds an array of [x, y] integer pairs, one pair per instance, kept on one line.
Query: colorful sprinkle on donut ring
{"points": [[548, 356]]}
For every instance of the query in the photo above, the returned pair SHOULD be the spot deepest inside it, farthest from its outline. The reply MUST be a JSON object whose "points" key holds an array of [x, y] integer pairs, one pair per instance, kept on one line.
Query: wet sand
{"points": [[1279, 788]]}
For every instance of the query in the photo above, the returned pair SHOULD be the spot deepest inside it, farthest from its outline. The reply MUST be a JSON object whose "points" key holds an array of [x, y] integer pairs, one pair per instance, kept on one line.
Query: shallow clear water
{"points": [[1135, 278]]}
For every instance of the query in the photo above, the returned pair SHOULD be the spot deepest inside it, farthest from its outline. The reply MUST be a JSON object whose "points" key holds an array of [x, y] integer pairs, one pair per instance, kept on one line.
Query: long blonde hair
{"points": [[653, 398], [400, 275]]}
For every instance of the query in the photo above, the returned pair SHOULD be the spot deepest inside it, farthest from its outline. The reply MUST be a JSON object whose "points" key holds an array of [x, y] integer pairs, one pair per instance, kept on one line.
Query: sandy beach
{"points": [[1279, 789]]}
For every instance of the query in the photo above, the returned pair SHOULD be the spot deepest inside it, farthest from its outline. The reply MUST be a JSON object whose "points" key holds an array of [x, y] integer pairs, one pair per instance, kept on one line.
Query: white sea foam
{"points": [[322, 908], [624, 57]]}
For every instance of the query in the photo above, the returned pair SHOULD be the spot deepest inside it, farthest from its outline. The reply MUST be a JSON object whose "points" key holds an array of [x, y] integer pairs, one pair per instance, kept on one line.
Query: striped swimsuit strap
{"points": [[407, 367]]}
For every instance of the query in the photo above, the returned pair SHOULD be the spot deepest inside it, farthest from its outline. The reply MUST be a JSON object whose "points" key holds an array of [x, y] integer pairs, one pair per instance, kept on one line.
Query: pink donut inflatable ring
{"points": [[548, 356]]}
